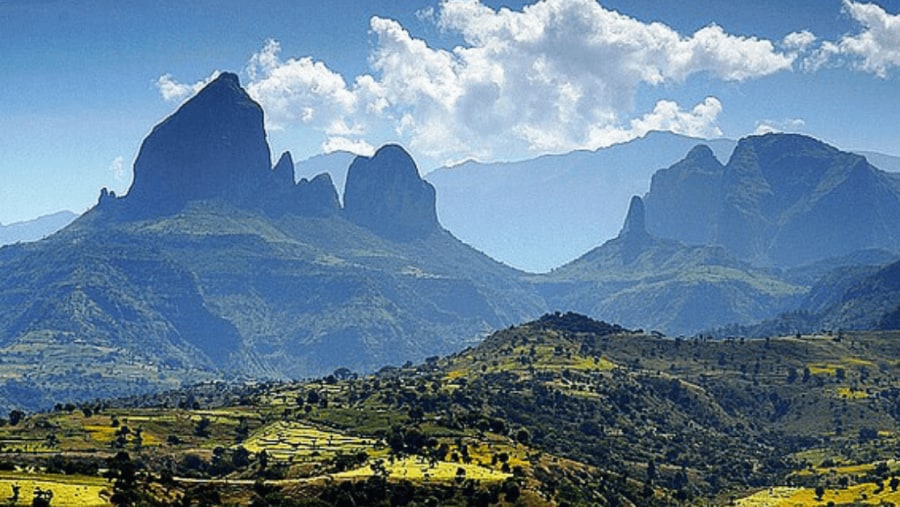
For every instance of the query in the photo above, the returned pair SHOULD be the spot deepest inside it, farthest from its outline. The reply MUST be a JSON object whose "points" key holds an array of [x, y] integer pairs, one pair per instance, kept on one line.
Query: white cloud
{"points": [[798, 41], [172, 90], [557, 75], [117, 168], [299, 90], [773, 126], [355, 146], [876, 48]]}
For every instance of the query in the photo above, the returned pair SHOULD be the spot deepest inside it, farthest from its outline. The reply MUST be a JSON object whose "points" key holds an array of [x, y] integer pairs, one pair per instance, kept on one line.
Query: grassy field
{"points": [[295, 441], [68, 491], [419, 469], [861, 494]]}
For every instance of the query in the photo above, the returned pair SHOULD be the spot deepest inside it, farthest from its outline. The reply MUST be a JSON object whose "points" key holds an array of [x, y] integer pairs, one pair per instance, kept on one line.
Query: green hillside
{"points": [[562, 410]]}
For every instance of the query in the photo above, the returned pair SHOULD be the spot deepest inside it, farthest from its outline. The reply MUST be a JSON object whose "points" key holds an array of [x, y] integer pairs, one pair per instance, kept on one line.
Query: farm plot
{"points": [[294, 441]]}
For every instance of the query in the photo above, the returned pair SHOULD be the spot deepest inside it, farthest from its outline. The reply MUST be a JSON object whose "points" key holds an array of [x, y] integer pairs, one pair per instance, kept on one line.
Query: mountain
{"points": [[35, 229], [868, 298], [561, 410], [644, 281], [217, 265], [539, 214], [782, 199], [889, 163], [386, 195], [335, 164]]}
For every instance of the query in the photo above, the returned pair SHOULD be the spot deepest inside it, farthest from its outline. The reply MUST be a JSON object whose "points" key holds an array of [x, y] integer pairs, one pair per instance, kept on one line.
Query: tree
{"points": [[820, 492], [202, 427], [16, 416], [42, 497], [123, 472], [522, 436], [894, 483]]}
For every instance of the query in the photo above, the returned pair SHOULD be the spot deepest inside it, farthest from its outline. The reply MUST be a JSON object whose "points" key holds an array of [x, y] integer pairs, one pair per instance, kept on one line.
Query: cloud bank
{"points": [[556, 76]]}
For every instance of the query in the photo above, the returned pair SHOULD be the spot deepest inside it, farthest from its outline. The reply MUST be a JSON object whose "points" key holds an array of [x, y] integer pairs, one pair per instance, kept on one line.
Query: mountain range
{"points": [[539, 214], [644, 281], [219, 263], [35, 229], [782, 199]]}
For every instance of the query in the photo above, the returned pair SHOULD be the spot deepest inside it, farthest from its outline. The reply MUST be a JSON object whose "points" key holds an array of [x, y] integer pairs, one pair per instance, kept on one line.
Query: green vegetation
{"points": [[563, 410]]}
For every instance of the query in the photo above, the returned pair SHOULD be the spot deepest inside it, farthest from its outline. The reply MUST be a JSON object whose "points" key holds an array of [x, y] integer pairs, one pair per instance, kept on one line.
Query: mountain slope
{"points": [[562, 410], [781, 199], [665, 285], [216, 264]]}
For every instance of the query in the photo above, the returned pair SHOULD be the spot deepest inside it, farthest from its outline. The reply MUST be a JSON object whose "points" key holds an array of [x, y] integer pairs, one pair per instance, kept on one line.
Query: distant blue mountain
{"points": [[782, 199], [35, 229], [335, 164], [539, 214], [889, 163]]}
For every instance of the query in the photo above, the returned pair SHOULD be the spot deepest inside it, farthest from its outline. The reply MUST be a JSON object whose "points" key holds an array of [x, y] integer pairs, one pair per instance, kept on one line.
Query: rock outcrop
{"points": [[213, 147], [634, 236], [316, 197], [693, 186], [782, 199], [385, 194]]}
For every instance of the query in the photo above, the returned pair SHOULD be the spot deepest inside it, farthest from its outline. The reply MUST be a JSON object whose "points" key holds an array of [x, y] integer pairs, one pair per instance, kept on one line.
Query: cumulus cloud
{"points": [[357, 146], [554, 76], [300, 90], [774, 126], [172, 90], [874, 48], [798, 41]]}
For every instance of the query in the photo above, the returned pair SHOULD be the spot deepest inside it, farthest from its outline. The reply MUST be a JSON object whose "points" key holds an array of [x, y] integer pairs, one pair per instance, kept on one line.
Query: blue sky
{"points": [[451, 80]]}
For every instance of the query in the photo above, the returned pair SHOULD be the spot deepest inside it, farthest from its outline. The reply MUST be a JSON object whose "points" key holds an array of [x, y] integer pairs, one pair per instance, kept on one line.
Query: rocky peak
{"points": [[635, 226], [633, 237], [213, 146], [385, 194], [283, 173], [317, 197], [702, 156]]}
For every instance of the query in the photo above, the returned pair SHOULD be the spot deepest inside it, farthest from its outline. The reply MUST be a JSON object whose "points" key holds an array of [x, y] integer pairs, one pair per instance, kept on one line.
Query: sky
{"points": [[451, 80]]}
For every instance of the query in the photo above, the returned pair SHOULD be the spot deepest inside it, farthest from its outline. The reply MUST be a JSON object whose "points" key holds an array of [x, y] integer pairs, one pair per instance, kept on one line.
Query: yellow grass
{"points": [[289, 440], [862, 494], [68, 491], [769, 497], [823, 368], [851, 394], [418, 469], [102, 434]]}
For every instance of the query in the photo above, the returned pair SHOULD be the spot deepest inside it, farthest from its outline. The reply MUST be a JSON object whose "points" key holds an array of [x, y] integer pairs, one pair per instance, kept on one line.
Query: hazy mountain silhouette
{"points": [[539, 214], [35, 229]]}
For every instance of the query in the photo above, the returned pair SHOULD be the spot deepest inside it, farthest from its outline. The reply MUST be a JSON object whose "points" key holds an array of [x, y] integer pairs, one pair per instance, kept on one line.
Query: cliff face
{"points": [[214, 146], [386, 195], [781, 199]]}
